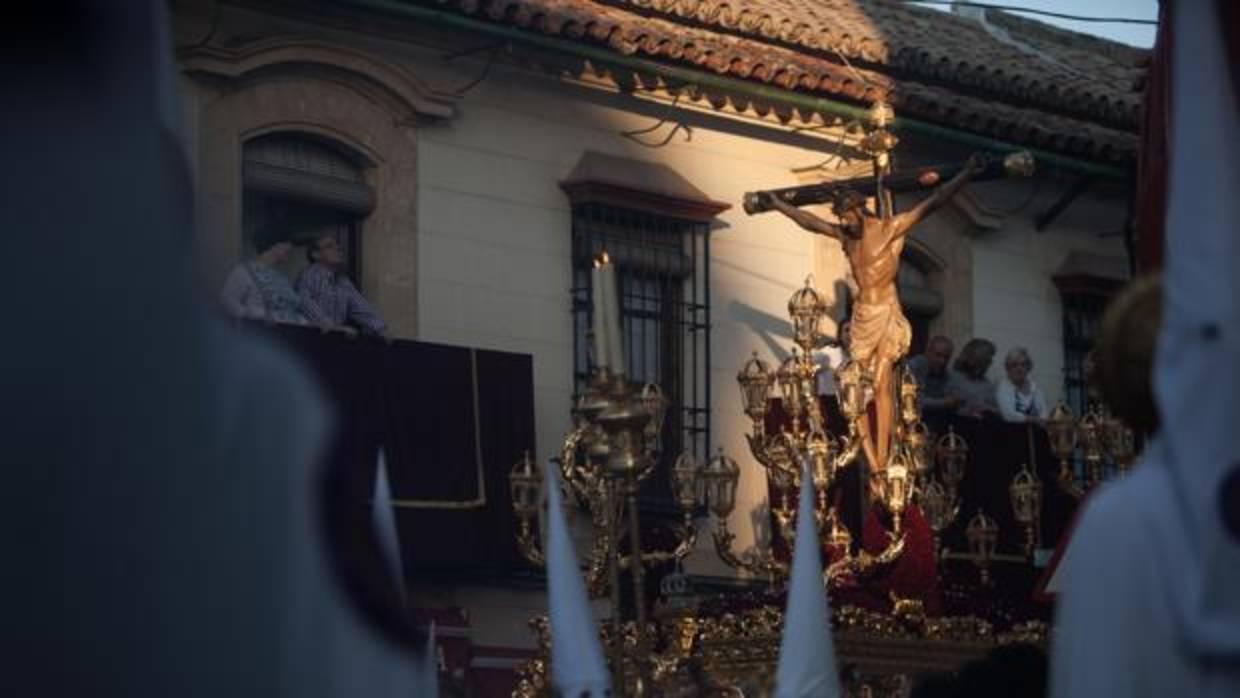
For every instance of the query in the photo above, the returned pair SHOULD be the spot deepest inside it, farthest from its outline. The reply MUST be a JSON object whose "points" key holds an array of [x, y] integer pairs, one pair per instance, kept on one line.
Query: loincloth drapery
{"points": [[878, 330]]}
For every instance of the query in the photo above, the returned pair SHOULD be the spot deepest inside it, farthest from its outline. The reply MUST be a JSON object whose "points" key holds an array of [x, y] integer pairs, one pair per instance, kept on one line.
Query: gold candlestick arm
{"points": [[758, 564]]}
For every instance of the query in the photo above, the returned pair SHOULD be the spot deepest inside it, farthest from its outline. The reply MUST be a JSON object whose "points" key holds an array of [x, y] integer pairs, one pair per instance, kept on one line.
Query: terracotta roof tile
{"points": [[1050, 89]]}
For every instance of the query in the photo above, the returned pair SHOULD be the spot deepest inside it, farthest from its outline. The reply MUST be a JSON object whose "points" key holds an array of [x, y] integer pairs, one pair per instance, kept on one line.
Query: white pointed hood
{"points": [[428, 669], [806, 652], [384, 521], [577, 666], [164, 478], [1197, 372]]}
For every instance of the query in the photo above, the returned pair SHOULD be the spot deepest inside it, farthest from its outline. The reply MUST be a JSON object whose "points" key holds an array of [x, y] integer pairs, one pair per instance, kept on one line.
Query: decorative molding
{"points": [[619, 195], [380, 81], [637, 184]]}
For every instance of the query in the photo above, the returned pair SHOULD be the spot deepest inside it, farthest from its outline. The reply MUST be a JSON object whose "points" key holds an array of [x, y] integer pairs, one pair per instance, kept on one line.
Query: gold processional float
{"points": [[614, 445]]}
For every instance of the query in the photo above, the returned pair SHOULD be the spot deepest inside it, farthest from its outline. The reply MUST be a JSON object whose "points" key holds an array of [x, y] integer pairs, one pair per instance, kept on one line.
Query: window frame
{"points": [[672, 255]]}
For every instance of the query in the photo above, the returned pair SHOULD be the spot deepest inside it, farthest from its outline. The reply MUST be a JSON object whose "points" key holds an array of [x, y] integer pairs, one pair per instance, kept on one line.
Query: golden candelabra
{"points": [[806, 437], [1098, 436], [603, 461]]}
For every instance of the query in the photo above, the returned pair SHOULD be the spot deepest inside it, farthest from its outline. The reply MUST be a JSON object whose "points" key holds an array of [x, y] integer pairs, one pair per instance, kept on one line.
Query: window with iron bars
{"points": [[663, 272], [1082, 315]]}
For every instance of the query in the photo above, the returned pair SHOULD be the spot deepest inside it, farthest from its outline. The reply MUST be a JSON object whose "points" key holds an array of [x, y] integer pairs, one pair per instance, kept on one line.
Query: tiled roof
{"points": [[1022, 81]]}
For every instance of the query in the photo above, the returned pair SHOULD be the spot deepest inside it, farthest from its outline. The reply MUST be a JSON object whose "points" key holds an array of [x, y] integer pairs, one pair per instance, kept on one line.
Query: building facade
{"points": [[472, 156]]}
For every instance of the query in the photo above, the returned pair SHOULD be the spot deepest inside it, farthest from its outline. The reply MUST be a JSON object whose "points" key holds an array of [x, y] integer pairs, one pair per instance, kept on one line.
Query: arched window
{"points": [[306, 187]]}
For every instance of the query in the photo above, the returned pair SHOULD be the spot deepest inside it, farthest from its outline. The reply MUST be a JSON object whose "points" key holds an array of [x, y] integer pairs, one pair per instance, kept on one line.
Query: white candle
{"points": [[599, 321], [615, 327]]}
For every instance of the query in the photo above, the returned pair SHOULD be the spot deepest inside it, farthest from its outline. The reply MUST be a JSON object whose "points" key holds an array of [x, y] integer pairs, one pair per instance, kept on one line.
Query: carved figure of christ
{"points": [[879, 332]]}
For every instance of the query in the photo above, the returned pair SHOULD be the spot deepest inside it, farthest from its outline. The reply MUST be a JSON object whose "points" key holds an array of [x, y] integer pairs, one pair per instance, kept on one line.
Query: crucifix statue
{"points": [[872, 241], [879, 332]]}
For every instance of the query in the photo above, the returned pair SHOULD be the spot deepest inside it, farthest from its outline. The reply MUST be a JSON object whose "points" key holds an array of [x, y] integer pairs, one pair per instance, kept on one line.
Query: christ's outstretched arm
{"points": [[805, 219], [941, 195]]}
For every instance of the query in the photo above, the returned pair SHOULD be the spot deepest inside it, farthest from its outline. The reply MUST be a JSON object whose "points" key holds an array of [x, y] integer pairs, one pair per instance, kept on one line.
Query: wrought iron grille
{"points": [[664, 276], [1082, 315]]}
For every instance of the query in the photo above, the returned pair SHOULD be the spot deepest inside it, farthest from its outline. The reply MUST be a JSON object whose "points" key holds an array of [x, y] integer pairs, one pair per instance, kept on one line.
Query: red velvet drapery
{"points": [[1151, 203]]}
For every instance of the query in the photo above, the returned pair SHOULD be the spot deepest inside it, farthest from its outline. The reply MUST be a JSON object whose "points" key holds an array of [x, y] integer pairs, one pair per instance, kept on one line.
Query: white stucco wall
{"points": [[493, 241], [1015, 302]]}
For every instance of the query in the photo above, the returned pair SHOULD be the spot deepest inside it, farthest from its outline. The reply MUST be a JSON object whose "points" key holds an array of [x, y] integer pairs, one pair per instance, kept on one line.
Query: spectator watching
{"points": [[324, 285], [256, 290], [933, 380], [969, 383], [1020, 399]]}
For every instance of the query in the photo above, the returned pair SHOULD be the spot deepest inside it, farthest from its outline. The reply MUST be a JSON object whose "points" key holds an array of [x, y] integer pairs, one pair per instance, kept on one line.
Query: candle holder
{"points": [[1026, 494]]}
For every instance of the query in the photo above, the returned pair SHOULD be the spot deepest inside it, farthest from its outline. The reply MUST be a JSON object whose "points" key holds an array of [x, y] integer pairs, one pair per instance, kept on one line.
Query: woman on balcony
{"points": [[257, 290], [969, 383], [1020, 399]]}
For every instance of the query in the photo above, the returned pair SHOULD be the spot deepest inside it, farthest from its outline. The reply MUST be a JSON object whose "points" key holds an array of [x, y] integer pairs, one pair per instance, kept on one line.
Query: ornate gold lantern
{"points": [[525, 485], [789, 379], [1126, 449], [939, 509], [720, 478], [653, 400], [687, 483], [983, 536], [851, 389], [952, 453], [896, 488], [525, 481], [838, 536], [1061, 429], [918, 441], [1117, 440], [909, 413], [821, 452], [807, 308], [755, 380], [1089, 434], [1026, 494]]}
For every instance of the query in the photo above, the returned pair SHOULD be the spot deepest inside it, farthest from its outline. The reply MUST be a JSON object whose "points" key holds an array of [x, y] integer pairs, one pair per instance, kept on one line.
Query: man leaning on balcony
{"points": [[929, 368], [325, 285]]}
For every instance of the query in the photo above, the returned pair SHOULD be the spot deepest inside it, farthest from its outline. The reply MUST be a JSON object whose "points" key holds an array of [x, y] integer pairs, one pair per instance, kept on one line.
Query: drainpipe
{"points": [[762, 92]]}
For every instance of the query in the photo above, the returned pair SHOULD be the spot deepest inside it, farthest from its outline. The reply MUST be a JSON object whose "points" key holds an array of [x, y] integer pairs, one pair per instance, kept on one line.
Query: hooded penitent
{"points": [[1151, 594], [162, 533], [806, 653], [577, 666]]}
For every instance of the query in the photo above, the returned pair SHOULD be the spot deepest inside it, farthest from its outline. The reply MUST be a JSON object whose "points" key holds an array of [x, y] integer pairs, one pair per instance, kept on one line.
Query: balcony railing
{"points": [[448, 420]]}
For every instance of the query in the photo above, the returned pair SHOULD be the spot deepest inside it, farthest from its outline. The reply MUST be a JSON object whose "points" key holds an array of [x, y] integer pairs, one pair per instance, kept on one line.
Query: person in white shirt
{"points": [[830, 357], [1020, 399]]}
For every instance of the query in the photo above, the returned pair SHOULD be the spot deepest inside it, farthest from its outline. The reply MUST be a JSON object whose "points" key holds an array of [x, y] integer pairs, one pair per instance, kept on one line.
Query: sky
{"points": [[1133, 34]]}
